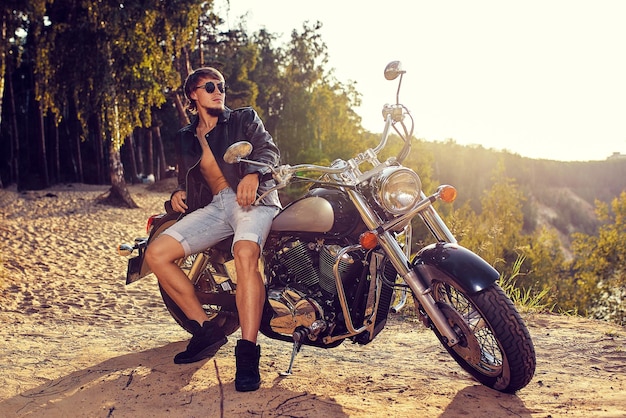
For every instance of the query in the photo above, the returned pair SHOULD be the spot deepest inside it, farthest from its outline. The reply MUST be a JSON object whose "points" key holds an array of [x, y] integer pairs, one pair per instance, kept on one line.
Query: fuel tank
{"points": [[321, 210]]}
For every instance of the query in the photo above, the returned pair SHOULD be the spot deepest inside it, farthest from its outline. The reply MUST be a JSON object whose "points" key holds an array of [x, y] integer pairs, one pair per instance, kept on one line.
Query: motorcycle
{"points": [[338, 261]]}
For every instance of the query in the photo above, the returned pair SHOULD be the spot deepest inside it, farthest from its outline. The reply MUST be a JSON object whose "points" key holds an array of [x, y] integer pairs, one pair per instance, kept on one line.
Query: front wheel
{"points": [[495, 346]]}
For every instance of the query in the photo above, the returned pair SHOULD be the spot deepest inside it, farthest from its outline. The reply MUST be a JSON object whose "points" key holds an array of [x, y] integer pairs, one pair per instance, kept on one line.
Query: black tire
{"points": [[228, 321], [495, 347]]}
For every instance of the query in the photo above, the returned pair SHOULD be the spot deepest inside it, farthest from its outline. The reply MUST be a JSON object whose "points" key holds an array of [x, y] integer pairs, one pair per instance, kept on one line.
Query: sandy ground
{"points": [[76, 342]]}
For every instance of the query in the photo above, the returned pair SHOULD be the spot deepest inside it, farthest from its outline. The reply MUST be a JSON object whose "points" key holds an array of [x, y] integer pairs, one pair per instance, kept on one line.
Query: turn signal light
{"points": [[368, 240], [447, 193], [124, 250]]}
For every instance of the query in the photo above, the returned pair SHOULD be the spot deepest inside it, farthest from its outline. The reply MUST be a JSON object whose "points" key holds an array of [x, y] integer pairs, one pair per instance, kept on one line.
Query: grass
{"points": [[525, 299]]}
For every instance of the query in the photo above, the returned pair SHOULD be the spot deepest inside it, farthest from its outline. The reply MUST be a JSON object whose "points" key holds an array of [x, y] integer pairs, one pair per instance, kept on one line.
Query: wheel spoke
{"points": [[490, 354]]}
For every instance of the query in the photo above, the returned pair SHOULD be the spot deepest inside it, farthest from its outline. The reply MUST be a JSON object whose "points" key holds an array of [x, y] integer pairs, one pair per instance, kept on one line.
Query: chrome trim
{"points": [[429, 216], [436, 225], [343, 302], [408, 235], [373, 298], [382, 182]]}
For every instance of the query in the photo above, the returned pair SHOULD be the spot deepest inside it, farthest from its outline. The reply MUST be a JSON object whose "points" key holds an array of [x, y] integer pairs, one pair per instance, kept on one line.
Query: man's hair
{"points": [[194, 78]]}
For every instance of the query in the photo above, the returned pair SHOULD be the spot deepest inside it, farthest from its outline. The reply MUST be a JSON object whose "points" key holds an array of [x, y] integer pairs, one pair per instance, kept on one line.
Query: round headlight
{"points": [[397, 189]]}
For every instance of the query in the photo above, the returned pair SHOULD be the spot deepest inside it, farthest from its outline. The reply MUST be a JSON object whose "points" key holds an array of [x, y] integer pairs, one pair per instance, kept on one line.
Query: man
{"points": [[215, 199]]}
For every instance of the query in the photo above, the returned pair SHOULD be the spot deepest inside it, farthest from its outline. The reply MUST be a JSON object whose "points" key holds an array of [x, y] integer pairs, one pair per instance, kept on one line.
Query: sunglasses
{"points": [[209, 86]]}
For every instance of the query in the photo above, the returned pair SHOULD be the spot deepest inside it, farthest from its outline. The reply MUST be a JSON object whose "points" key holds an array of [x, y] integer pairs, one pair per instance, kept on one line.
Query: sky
{"points": [[539, 78]]}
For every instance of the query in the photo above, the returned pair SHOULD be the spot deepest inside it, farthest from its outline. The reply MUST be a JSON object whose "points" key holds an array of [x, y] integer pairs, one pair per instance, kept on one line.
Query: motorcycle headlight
{"points": [[397, 189]]}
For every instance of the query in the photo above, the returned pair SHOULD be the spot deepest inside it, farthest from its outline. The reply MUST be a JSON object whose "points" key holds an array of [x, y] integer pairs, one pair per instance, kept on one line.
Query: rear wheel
{"points": [[495, 346], [218, 304]]}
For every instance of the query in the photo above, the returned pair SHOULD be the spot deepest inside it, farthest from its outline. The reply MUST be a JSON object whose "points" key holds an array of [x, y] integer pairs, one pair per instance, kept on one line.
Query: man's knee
{"points": [[151, 255], [159, 252], [246, 250]]}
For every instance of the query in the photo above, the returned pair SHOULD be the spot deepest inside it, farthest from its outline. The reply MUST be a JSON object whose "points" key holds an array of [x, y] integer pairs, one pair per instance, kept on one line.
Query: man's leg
{"points": [[206, 338], [161, 255], [250, 289], [192, 234], [250, 300], [252, 226]]}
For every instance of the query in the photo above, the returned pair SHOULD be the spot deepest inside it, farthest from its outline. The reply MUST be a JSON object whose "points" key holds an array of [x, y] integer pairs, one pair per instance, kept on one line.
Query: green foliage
{"points": [[497, 230], [268, 74], [317, 116], [112, 70], [544, 253], [308, 112], [568, 188], [524, 298], [241, 90], [599, 264]]}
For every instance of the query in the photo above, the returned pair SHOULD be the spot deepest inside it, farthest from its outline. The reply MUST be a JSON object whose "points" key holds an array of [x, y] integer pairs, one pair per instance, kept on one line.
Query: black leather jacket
{"points": [[233, 125]]}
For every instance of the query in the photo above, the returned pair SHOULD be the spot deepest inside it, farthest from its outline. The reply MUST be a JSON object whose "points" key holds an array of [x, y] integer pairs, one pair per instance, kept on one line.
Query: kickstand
{"points": [[297, 344]]}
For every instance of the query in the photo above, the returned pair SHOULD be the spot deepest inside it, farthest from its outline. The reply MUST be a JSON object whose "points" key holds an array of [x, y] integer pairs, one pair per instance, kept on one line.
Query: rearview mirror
{"points": [[393, 70], [237, 151]]}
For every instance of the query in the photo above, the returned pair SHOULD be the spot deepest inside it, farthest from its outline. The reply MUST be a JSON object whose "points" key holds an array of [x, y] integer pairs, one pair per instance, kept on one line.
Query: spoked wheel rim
{"points": [[478, 345]]}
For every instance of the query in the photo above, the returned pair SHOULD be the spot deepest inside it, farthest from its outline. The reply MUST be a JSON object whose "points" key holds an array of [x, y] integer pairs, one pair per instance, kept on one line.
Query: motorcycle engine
{"points": [[302, 284]]}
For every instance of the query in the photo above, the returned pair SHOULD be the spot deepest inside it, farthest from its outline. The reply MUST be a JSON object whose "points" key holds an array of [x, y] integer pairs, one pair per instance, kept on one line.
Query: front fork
{"points": [[422, 293], [400, 261]]}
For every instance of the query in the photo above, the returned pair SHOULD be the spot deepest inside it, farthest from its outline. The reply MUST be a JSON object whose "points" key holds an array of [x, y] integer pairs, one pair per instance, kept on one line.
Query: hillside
{"points": [[561, 194]]}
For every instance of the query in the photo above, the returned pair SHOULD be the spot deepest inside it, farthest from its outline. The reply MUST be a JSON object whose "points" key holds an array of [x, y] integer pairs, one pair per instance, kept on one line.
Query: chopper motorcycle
{"points": [[338, 261]]}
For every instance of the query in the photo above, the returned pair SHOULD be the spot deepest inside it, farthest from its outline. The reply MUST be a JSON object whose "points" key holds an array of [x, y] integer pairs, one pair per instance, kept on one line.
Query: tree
{"points": [[12, 13], [129, 71], [268, 75]]}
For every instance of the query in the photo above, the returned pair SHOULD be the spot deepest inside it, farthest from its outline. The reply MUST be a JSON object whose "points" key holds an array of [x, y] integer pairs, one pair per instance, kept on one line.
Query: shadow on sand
{"points": [[149, 384], [481, 401]]}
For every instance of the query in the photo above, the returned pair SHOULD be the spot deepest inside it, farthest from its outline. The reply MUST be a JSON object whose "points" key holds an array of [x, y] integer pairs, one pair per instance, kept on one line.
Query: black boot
{"points": [[247, 355], [204, 343]]}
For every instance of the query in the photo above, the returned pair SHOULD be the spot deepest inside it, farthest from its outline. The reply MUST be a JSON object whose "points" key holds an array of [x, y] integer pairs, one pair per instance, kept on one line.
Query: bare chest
{"points": [[209, 168]]}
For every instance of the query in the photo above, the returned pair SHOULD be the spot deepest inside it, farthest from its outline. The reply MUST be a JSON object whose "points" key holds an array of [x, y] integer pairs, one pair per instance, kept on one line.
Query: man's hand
{"points": [[178, 201], [246, 191]]}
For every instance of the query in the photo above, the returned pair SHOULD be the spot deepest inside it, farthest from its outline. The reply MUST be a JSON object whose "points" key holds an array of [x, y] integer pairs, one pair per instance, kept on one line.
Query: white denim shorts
{"points": [[222, 218]]}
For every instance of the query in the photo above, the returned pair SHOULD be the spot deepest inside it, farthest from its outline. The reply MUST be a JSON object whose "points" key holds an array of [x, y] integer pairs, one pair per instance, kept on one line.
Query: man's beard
{"points": [[214, 111]]}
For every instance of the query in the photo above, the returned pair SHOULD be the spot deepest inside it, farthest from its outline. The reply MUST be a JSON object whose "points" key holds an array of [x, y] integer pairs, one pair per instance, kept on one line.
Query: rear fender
{"points": [[469, 270], [137, 267]]}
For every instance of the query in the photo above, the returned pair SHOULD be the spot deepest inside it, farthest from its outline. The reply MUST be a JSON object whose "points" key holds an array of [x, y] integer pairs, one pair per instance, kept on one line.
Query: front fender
{"points": [[469, 270]]}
